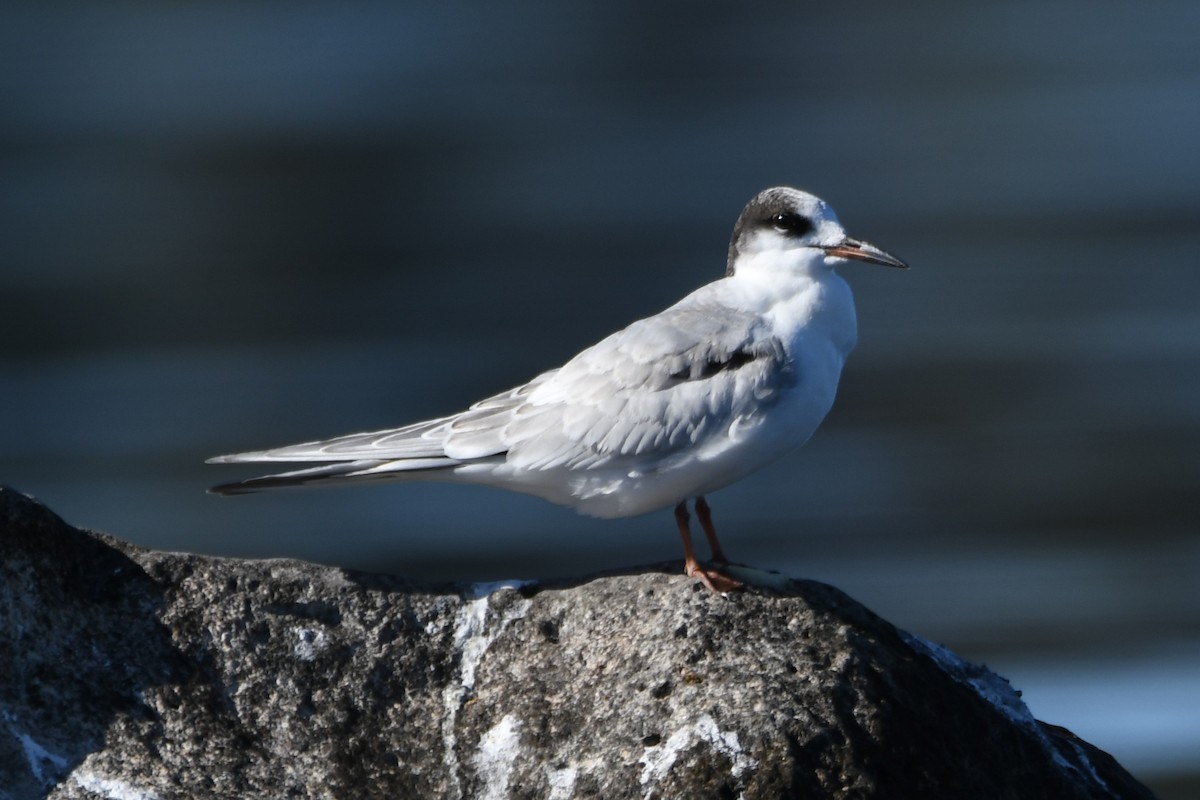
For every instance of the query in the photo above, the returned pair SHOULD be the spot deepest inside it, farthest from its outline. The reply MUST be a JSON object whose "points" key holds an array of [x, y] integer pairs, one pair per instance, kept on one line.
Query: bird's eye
{"points": [[791, 224]]}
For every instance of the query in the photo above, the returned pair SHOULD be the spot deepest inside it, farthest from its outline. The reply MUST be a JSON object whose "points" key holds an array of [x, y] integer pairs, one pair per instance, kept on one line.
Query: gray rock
{"points": [[133, 674]]}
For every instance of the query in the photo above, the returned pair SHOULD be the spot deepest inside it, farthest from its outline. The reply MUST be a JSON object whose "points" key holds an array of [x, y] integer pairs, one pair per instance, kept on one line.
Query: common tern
{"points": [[671, 408]]}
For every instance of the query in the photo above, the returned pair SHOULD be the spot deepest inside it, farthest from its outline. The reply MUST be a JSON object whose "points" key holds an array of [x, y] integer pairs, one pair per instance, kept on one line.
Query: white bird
{"points": [[675, 406]]}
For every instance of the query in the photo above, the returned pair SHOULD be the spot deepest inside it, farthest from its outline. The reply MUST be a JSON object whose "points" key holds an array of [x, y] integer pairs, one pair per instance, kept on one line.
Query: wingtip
{"points": [[228, 489]]}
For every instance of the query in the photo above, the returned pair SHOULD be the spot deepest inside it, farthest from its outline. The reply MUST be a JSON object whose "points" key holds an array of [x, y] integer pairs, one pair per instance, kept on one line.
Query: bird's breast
{"points": [[817, 315]]}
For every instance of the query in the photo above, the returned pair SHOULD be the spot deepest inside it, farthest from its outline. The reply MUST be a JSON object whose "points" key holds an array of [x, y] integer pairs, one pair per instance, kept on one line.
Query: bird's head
{"points": [[791, 230]]}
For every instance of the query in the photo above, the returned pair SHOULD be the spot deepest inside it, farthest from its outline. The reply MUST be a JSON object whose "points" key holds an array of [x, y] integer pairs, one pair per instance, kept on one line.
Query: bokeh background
{"points": [[225, 226]]}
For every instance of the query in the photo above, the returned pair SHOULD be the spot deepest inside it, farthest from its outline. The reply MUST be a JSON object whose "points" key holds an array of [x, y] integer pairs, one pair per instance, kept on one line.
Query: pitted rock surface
{"points": [[126, 673]]}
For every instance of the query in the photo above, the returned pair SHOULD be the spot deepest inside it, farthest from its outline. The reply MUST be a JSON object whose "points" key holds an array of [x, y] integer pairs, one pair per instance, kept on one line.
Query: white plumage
{"points": [[672, 407]]}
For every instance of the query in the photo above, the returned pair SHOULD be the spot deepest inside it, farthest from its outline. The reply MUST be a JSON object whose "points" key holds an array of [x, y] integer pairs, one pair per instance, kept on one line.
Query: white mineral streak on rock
{"points": [[496, 756], [562, 782], [1094, 776], [1005, 699], [657, 761], [472, 640], [309, 643], [109, 788], [37, 756]]}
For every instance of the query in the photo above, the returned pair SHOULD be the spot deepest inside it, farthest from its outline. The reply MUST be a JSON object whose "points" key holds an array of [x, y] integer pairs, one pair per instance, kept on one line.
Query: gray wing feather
{"points": [[659, 386], [411, 441], [474, 433]]}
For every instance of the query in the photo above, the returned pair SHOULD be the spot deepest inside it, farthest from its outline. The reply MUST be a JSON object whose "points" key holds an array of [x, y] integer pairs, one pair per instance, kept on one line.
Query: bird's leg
{"points": [[710, 532], [691, 566], [715, 581]]}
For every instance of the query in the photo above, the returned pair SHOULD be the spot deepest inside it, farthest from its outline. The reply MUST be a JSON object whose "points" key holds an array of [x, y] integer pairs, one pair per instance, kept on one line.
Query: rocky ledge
{"points": [[132, 674]]}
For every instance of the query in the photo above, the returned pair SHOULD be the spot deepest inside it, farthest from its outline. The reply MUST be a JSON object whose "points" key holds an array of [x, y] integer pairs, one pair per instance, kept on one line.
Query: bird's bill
{"points": [[864, 251]]}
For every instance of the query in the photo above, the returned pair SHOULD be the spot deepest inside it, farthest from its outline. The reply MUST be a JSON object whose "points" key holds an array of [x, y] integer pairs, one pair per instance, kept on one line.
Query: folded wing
{"points": [[662, 385]]}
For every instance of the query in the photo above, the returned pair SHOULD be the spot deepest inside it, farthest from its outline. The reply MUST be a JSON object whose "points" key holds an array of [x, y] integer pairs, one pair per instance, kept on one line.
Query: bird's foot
{"points": [[716, 581]]}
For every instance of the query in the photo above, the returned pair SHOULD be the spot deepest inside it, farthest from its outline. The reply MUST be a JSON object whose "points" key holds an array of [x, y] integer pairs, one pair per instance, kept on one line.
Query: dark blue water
{"points": [[225, 227]]}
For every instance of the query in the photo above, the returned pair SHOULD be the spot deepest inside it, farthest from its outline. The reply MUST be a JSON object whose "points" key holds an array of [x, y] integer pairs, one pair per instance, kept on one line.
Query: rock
{"points": [[133, 674]]}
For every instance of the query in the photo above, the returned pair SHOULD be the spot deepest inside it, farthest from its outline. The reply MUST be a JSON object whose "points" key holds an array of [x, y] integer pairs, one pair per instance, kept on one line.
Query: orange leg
{"points": [[714, 580], [710, 532]]}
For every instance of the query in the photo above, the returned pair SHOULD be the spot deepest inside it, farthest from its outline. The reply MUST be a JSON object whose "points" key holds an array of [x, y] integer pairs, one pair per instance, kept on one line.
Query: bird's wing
{"points": [[411, 441], [661, 385], [474, 429]]}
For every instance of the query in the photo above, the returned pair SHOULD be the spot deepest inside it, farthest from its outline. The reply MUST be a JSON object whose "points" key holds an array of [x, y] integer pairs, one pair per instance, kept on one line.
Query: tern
{"points": [[667, 410]]}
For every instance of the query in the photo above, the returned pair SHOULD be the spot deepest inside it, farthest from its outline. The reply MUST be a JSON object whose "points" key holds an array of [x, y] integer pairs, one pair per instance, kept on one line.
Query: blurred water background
{"points": [[226, 226]]}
